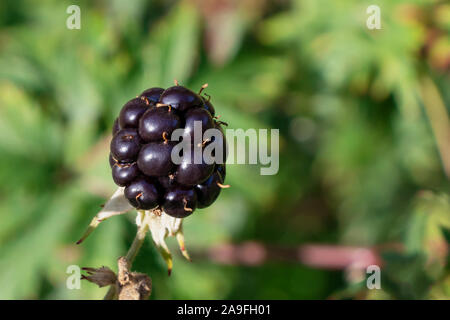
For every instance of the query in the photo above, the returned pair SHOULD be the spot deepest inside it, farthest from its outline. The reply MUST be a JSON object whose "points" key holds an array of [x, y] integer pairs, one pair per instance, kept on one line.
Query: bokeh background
{"points": [[364, 144]]}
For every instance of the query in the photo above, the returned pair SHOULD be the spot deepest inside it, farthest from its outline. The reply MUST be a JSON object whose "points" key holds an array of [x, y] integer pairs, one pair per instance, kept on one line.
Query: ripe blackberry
{"points": [[190, 173], [157, 121], [167, 182], [208, 106], [125, 145], [116, 126], [140, 152], [154, 159], [152, 95], [221, 144], [179, 202], [208, 191], [132, 112], [123, 174], [222, 170], [142, 193], [201, 117], [180, 98], [112, 161]]}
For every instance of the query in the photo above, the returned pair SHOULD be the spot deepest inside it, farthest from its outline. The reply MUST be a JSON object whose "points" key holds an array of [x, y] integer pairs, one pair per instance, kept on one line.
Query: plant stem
{"points": [[137, 243], [132, 252], [111, 293]]}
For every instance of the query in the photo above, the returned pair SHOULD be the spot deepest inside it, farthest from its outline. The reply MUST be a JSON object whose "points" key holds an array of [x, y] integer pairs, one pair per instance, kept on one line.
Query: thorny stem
{"points": [[132, 252]]}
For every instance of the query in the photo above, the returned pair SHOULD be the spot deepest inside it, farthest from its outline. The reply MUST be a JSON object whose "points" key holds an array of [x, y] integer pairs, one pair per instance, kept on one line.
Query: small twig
{"points": [[131, 254]]}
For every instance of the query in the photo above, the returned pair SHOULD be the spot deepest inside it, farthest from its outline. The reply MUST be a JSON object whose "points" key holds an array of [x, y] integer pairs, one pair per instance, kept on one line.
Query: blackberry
{"points": [[123, 174], [154, 159], [180, 98], [199, 116], [116, 126], [156, 121], [131, 113], [125, 145], [190, 173], [208, 106], [179, 202], [112, 161], [222, 170], [222, 144], [208, 191], [167, 182], [152, 95], [140, 152], [142, 193]]}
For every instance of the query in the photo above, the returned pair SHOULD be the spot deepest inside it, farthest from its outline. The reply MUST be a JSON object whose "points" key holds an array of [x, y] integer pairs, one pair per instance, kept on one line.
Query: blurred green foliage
{"points": [[361, 162]]}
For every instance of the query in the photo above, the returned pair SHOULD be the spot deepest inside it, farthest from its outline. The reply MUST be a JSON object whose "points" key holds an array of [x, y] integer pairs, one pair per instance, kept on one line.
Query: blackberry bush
{"points": [[140, 152]]}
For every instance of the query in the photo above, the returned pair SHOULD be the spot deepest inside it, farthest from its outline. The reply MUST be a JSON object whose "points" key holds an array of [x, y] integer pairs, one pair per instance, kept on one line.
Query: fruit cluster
{"points": [[140, 152]]}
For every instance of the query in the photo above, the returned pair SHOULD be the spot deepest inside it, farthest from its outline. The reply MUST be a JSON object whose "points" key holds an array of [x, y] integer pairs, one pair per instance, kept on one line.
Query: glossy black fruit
{"points": [[179, 202], [167, 182], [152, 95], [141, 151], [220, 144], [222, 170], [180, 98], [208, 191], [155, 159], [208, 106], [125, 145], [124, 174], [142, 193], [116, 126], [156, 121], [132, 112], [200, 117], [190, 173], [112, 161]]}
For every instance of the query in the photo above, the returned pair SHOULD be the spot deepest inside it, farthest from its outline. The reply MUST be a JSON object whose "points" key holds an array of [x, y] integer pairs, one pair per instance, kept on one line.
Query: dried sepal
{"points": [[127, 285], [102, 277]]}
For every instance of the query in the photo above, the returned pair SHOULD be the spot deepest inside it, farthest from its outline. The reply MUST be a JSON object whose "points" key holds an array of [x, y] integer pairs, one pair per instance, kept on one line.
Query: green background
{"points": [[364, 143]]}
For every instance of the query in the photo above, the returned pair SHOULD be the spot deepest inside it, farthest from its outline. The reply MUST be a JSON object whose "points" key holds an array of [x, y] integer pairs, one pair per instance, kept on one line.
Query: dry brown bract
{"points": [[129, 285]]}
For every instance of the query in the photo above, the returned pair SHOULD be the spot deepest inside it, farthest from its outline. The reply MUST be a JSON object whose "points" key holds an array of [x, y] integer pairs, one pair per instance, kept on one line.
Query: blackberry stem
{"points": [[132, 252]]}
